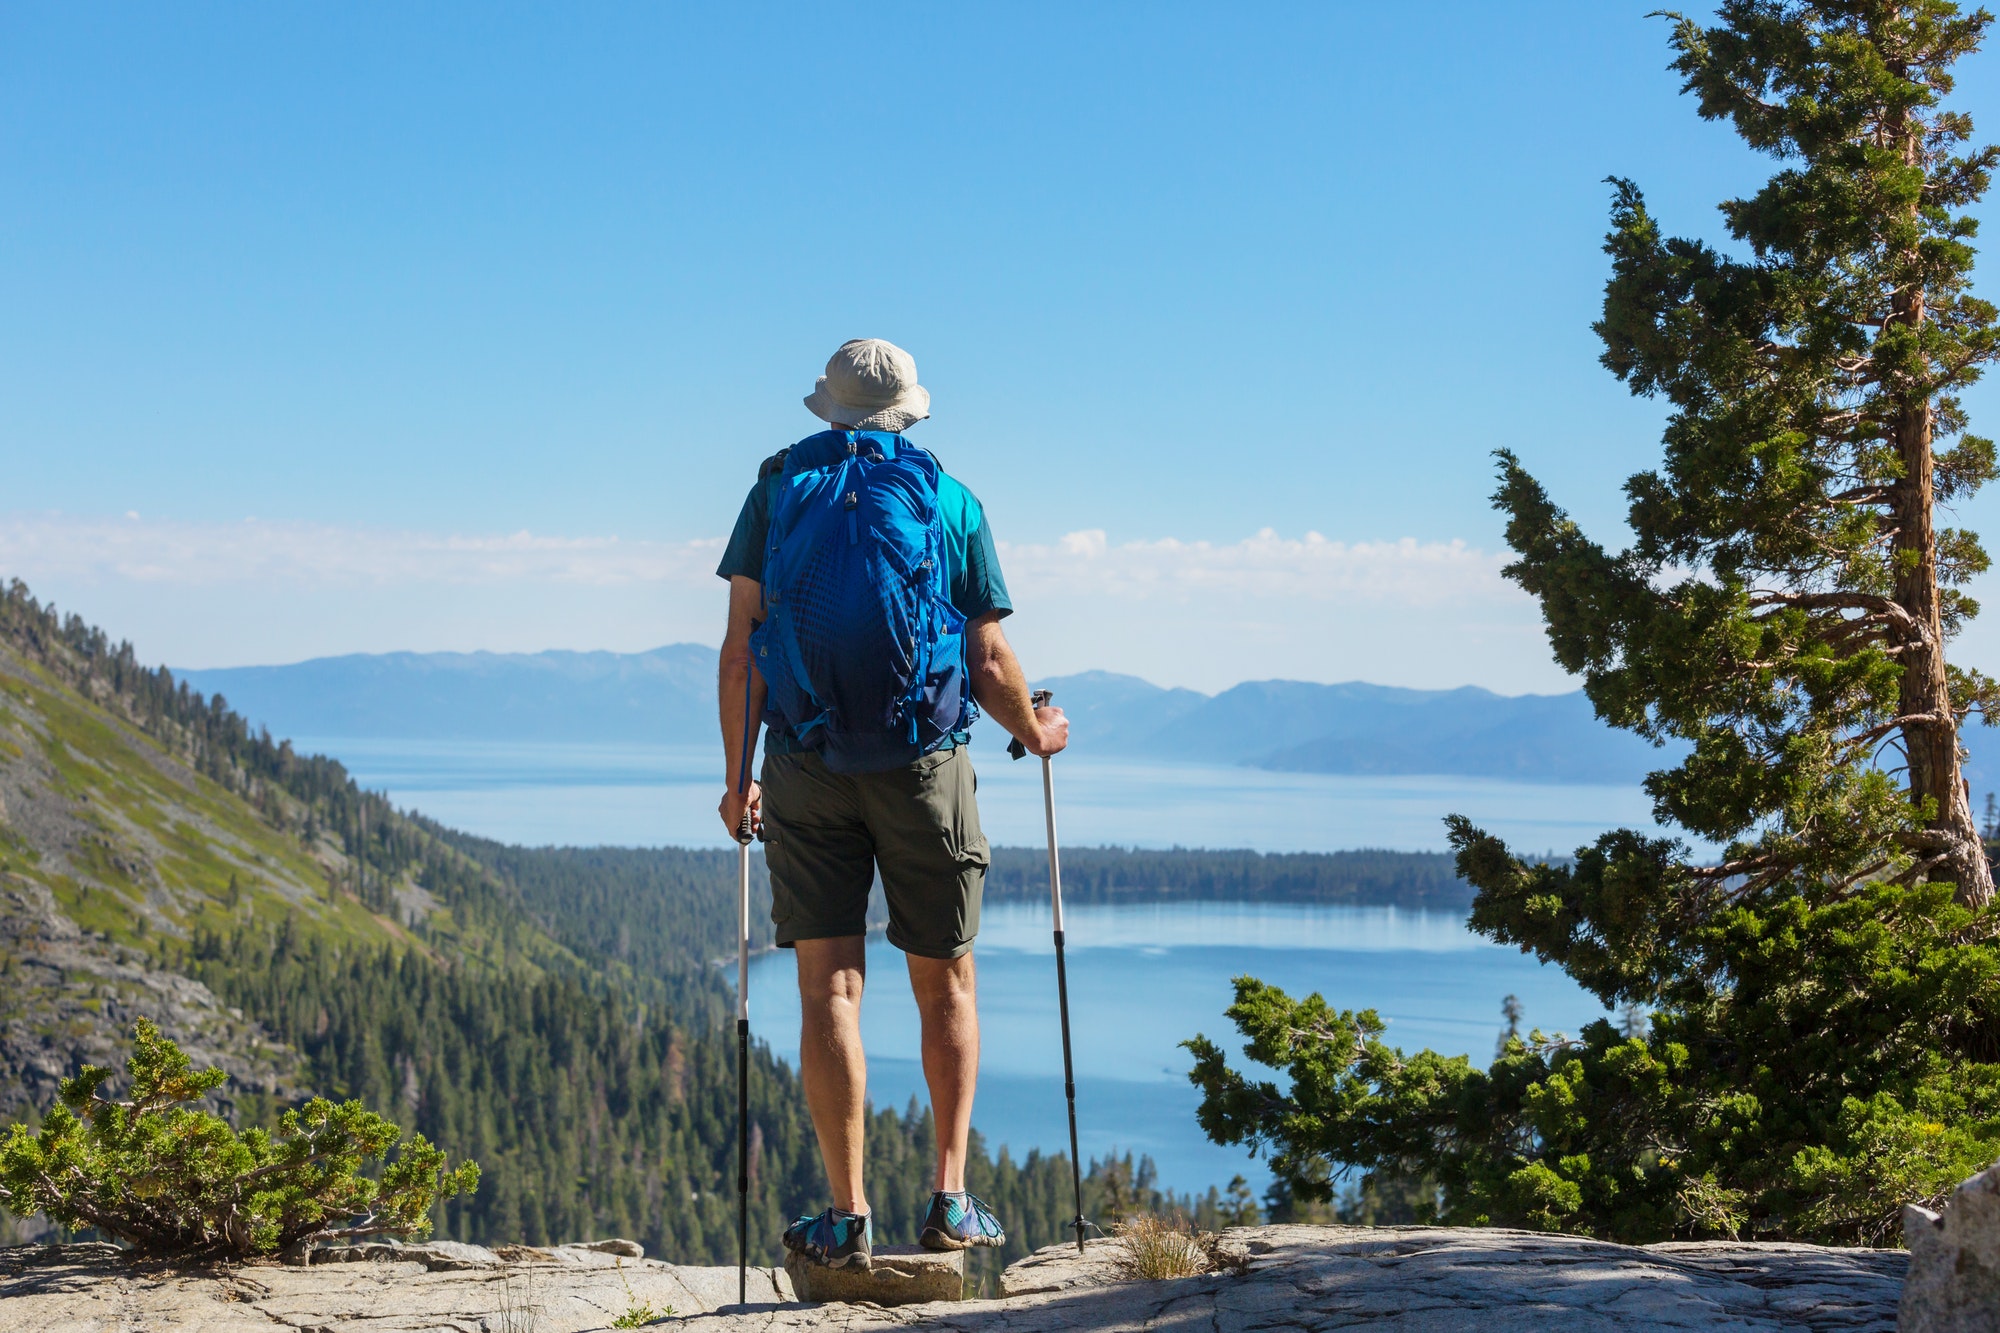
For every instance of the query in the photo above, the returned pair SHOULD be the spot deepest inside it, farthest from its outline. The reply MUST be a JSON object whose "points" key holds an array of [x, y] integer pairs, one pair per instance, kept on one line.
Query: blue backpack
{"points": [[861, 649]]}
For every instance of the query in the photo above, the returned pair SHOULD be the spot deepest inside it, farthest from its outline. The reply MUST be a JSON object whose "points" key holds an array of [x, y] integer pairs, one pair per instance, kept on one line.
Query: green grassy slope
{"points": [[131, 842]]}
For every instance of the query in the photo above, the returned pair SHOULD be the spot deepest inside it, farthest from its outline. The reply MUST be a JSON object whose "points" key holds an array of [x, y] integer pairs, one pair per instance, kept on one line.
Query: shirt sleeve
{"points": [[980, 587], [745, 552]]}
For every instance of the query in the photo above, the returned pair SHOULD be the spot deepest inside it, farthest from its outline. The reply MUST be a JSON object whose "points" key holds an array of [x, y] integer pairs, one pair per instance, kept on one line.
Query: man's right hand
{"points": [[734, 803], [1051, 732]]}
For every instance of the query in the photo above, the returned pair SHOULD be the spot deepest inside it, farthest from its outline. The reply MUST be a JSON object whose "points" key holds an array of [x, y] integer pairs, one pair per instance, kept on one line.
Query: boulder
{"points": [[623, 1249], [439, 1256], [901, 1275], [1954, 1279], [451, 1256]]}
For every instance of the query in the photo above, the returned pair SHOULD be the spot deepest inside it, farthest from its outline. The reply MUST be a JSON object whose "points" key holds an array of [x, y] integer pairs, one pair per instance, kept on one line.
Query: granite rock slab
{"points": [[1410, 1280], [1405, 1279], [565, 1289]]}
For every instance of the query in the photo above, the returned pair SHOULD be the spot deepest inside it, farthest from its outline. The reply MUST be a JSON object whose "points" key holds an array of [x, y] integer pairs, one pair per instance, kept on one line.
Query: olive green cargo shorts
{"points": [[825, 833]]}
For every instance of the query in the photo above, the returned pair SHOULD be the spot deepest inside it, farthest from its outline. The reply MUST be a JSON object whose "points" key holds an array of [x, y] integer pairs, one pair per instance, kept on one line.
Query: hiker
{"points": [[865, 589]]}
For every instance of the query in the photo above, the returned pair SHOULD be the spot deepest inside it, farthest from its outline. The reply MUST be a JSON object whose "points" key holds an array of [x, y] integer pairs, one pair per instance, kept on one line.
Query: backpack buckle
{"points": [[853, 499]]}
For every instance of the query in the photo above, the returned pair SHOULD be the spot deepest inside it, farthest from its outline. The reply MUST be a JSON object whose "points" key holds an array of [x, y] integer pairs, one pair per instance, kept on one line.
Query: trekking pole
{"points": [[743, 1014], [1040, 700], [743, 1060]]}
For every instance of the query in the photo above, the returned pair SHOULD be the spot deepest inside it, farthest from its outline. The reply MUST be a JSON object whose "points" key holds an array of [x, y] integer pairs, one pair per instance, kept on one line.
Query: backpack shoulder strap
{"points": [[775, 463]]}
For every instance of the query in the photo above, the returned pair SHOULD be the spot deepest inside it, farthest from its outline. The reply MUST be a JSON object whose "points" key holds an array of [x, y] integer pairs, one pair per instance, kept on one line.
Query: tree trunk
{"points": [[1931, 746]]}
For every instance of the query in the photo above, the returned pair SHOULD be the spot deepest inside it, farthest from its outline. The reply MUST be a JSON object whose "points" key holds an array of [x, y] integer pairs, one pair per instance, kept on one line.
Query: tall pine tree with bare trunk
{"points": [[1787, 604], [1825, 991]]}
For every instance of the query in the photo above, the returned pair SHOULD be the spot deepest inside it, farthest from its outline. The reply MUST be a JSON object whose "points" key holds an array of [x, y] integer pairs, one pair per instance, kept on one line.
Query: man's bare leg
{"points": [[947, 1000], [831, 1063]]}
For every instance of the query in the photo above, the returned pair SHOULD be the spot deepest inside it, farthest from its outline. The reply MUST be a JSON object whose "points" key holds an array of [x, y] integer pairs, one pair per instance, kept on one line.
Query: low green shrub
{"points": [[171, 1180]]}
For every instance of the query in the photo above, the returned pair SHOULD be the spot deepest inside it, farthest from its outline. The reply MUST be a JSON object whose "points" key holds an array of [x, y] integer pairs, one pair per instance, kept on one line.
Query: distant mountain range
{"points": [[667, 696]]}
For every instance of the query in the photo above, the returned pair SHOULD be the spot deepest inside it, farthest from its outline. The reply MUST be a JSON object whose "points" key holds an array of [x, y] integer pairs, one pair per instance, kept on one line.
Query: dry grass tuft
{"points": [[519, 1311], [1162, 1247]]}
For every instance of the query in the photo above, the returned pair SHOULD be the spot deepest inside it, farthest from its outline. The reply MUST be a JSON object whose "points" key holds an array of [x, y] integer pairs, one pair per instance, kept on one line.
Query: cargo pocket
{"points": [[969, 837], [947, 794], [932, 854]]}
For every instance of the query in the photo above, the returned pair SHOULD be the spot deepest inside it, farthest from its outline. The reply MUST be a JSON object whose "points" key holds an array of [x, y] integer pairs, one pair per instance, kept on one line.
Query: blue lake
{"points": [[650, 796], [1143, 978]]}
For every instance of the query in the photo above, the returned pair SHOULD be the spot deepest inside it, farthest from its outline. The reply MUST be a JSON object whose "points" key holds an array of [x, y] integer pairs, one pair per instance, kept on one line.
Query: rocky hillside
{"points": [[134, 820], [551, 1014], [111, 845]]}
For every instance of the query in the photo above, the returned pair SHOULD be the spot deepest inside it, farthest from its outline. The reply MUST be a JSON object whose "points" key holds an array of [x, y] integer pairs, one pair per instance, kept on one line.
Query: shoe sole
{"points": [[860, 1261], [933, 1239]]}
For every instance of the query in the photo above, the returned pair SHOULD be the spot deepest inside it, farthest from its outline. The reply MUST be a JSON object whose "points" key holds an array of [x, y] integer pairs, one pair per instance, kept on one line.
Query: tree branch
{"points": [[1875, 606], [1731, 868], [1897, 724]]}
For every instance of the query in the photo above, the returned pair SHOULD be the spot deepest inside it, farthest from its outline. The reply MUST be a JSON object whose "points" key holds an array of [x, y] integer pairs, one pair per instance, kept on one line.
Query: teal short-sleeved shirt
{"points": [[971, 563]]}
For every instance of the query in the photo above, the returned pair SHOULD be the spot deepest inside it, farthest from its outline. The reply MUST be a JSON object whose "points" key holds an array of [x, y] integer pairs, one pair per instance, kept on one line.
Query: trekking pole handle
{"points": [[1040, 700]]}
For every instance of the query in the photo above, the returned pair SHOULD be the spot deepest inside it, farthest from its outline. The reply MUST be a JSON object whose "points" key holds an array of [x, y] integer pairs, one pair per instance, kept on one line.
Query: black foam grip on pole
{"points": [[1038, 700], [742, 1160]]}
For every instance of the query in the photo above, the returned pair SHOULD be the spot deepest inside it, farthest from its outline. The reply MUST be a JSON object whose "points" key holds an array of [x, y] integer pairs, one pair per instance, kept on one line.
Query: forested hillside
{"points": [[551, 1014], [1122, 875]]}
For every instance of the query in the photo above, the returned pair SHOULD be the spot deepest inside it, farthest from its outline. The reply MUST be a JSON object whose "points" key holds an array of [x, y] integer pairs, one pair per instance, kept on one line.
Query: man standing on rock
{"points": [[865, 590]]}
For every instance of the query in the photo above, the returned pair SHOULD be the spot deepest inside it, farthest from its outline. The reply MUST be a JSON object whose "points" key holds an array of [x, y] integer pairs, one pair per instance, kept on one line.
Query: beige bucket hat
{"points": [[870, 385]]}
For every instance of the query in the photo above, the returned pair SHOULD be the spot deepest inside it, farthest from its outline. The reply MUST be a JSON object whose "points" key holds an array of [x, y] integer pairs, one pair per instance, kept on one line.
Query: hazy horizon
{"points": [[185, 670]]}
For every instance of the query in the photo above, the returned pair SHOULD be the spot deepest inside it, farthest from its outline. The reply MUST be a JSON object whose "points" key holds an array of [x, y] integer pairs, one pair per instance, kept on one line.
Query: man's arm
{"points": [[746, 605], [1001, 689]]}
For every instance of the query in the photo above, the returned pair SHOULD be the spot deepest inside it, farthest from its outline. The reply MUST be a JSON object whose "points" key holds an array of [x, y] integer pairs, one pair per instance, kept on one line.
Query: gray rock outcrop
{"points": [[1411, 1279], [390, 1289], [1954, 1281], [1392, 1278]]}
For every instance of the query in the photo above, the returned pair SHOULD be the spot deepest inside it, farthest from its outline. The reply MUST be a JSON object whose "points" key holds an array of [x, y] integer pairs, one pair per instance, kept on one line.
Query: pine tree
{"points": [[1787, 604], [1823, 996]]}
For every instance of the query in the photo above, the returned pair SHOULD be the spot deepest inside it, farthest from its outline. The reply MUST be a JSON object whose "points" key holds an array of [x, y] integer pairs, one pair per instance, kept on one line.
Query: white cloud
{"points": [[256, 551], [39, 546], [1197, 613], [1266, 565]]}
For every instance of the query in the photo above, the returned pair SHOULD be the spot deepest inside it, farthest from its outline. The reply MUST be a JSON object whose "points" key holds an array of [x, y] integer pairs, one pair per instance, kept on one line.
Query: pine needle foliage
{"points": [[1824, 994], [169, 1179]]}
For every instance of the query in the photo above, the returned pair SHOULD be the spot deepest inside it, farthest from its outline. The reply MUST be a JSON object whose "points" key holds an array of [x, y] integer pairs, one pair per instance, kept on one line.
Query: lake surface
{"points": [[650, 796], [1142, 978]]}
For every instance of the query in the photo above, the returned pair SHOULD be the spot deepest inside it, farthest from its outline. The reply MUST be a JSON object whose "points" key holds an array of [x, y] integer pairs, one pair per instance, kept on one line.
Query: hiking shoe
{"points": [[958, 1222], [834, 1239]]}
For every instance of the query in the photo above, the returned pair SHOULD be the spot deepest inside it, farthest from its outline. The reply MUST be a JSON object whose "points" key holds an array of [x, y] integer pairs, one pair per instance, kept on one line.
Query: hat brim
{"points": [[905, 412]]}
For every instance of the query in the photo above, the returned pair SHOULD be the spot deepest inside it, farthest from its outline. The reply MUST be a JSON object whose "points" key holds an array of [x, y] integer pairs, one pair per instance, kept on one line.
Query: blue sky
{"points": [[484, 313]]}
